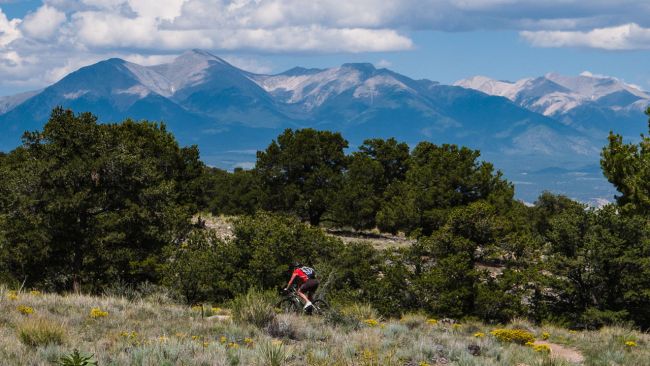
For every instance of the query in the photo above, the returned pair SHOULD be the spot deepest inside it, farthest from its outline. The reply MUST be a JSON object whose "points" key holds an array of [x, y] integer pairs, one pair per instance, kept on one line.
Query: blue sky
{"points": [[443, 40]]}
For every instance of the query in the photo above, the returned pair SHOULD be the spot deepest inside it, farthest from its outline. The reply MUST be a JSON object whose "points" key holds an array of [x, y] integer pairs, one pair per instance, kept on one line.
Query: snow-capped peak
{"points": [[312, 87], [594, 86], [188, 69], [490, 86], [554, 93], [150, 79], [197, 56], [9, 102]]}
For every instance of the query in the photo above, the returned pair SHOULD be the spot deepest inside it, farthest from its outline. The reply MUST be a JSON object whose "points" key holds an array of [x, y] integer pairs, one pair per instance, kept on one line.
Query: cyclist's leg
{"points": [[306, 290], [304, 297], [312, 289]]}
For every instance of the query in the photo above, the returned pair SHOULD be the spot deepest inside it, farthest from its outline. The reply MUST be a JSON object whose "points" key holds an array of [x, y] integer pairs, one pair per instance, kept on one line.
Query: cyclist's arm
{"points": [[293, 277]]}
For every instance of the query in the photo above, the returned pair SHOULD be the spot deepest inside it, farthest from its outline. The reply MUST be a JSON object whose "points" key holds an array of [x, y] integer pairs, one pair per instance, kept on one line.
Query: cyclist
{"points": [[308, 284]]}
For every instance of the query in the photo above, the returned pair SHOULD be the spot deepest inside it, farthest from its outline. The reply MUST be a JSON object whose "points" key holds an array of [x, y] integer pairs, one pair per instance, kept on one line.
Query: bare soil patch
{"points": [[221, 225], [570, 354], [378, 240]]}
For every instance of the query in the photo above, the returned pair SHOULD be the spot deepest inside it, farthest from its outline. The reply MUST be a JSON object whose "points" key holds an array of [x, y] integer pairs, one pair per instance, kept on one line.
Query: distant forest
{"points": [[85, 206]]}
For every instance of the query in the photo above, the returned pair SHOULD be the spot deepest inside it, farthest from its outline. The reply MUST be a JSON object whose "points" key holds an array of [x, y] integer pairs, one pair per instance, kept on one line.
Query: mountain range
{"points": [[592, 104], [526, 128]]}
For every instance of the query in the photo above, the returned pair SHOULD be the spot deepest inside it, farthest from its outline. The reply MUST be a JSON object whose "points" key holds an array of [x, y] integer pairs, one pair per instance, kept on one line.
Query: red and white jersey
{"points": [[304, 273]]}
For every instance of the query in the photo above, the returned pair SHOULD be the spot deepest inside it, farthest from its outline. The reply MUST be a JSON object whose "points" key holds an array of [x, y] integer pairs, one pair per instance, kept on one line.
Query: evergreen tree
{"points": [[627, 167], [376, 165], [439, 178], [235, 193], [85, 204], [301, 172]]}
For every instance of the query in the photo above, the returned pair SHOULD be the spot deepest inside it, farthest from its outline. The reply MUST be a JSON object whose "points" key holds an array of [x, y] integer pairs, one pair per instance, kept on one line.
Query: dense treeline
{"points": [[84, 205], [307, 174]]}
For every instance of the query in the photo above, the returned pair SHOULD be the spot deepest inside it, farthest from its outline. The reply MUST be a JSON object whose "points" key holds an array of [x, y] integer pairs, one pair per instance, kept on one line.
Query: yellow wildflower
{"points": [[197, 308], [432, 321], [98, 313], [215, 310], [223, 339], [131, 338], [206, 343], [630, 344], [479, 334], [25, 310], [519, 336], [541, 348], [35, 293], [368, 355], [128, 334], [12, 295], [546, 335], [371, 322], [233, 345], [248, 341], [456, 326], [195, 337], [423, 363]]}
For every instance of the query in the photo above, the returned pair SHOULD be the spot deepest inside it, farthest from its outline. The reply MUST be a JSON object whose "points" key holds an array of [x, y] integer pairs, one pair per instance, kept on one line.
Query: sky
{"points": [[41, 41]]}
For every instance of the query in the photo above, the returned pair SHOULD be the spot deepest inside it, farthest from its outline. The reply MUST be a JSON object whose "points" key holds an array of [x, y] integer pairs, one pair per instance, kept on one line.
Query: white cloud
{"points": [[312, 39], [8, 30], [383, 63], [42, 23], [625, 37], [161, 9]]}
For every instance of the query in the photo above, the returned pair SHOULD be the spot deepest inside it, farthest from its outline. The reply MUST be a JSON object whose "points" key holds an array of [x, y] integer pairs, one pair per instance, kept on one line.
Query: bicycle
{"points": [[291, 303]]}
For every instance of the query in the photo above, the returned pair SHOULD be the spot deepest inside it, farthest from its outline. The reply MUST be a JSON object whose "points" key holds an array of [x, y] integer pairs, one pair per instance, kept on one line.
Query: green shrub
{"points": [[360, 311], [266, 244], [593, 318], [41, 332], [337, 318], [273, 354], [76, 359], [198, 268], [351, 316], [254, 308]]}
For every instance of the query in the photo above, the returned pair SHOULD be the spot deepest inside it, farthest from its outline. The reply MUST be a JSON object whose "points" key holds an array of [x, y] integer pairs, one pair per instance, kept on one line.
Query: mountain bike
{"points": [[292, 303]]}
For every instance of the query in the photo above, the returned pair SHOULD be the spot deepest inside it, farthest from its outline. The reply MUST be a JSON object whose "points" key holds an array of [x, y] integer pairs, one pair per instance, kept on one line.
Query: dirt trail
{"points": [[570, 354], [378, 240]]}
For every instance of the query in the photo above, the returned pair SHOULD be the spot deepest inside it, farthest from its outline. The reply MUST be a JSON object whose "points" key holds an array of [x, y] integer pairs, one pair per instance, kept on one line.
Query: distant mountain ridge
{"points": [[527, 125], [590, 103]]}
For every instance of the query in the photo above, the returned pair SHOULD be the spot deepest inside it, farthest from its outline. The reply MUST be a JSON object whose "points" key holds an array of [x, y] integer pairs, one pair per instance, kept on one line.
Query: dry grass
{"points": [[379, 240], [224, 228], [139, 332]]}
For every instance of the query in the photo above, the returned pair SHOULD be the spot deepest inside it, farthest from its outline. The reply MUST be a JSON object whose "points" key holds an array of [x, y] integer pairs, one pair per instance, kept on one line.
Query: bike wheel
{"points": [[288, 305], [320, 307]]}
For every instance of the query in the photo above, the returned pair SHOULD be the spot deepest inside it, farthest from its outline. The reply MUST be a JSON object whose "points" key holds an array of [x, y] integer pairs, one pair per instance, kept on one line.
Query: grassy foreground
{"points": [[38, 329]]}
